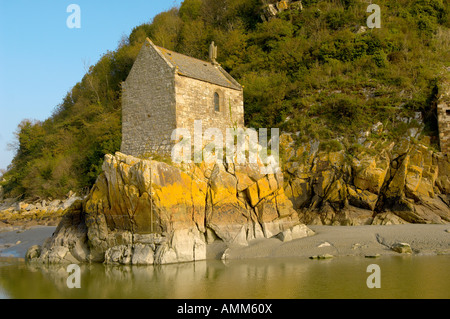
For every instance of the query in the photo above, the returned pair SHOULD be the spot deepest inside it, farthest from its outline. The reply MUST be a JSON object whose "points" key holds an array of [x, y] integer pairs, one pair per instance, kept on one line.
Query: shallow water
{"points": [[343, 277]]}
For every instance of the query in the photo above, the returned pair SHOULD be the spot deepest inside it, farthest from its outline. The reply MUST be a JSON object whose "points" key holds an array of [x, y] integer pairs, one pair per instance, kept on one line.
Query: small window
{"points": [[447, 112], [216, 102]]}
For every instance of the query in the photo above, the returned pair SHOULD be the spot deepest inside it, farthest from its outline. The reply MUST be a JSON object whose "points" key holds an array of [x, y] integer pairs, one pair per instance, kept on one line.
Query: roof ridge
{"points": [[188, 66], [159, 52], [188, 56]]}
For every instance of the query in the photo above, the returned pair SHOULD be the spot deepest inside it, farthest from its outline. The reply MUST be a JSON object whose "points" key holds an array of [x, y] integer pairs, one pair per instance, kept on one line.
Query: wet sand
{"points": [[15, 241], [331, 240], [367, 241]]}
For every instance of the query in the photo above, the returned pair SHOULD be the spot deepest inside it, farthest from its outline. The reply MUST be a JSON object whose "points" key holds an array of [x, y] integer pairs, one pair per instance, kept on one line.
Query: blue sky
{"points": [[41, 59]]}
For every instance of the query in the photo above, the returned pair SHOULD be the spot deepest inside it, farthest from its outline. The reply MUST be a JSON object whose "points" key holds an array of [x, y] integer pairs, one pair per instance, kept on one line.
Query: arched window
{"points": [[216, 102]]}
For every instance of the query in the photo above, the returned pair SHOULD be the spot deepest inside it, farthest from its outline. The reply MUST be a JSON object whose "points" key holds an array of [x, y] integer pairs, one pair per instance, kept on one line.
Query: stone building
{"points": [[166, 90], [443, 112]]}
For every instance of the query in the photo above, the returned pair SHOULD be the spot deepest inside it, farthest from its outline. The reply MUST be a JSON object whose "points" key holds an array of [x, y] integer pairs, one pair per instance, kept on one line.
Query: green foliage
{"points": [[190, 10], [307, 71], [265, 95], [330, 146], [165, 29]]}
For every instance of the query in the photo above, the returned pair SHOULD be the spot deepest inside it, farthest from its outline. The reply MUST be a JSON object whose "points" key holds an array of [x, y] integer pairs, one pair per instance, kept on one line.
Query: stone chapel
{"points": [[166, 90]]}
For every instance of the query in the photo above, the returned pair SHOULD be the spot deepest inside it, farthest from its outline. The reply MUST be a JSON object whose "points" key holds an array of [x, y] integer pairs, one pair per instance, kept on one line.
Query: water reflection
{"points": [[401, 277]]}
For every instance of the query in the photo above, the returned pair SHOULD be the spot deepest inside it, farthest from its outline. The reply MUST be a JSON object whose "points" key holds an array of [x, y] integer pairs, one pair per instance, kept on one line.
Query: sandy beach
{"points": [[15, 241], [328, 240], [352, 241]]}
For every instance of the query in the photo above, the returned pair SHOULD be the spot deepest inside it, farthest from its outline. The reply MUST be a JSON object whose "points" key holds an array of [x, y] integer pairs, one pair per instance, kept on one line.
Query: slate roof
{"points": [[200, 70]]}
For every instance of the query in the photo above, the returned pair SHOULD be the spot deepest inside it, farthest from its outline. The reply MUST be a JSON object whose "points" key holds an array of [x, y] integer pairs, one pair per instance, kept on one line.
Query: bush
{"points": [[330, 146]]}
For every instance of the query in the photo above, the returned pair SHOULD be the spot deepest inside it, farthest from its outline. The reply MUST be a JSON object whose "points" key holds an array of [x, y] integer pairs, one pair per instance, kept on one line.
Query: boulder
{"points": [[361, 198], [368, 175], [33, 252], [189, 245], [69, 243], [67, 203], [165, 255], [296, 232], [402, 248], [142, 255], [120, 255], [388, 218]]}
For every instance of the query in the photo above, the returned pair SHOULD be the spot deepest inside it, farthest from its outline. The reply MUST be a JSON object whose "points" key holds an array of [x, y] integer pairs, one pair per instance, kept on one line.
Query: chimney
{"points": [[213, 53]]}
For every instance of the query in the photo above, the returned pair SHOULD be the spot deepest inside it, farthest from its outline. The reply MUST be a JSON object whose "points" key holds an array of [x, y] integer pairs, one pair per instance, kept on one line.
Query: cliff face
{"points": [[145, 212], [382, 183]]}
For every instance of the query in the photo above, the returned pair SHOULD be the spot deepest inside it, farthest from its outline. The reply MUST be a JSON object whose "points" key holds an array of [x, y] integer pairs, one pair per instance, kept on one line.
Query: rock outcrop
{"points": [[390, 183], [271, 8], [35, 212], [148, 212]]}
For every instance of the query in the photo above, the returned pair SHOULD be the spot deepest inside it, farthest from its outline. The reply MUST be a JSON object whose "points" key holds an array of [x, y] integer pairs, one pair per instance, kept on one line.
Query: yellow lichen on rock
{"points": [[405, 178], [368, 176]]}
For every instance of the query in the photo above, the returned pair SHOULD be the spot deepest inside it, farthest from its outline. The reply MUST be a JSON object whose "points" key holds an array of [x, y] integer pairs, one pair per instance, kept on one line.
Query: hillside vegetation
{"points": [[312, 71]]}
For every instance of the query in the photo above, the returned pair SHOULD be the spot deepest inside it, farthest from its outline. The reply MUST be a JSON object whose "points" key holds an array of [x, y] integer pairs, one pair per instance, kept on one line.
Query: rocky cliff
{"points": [[149, 212], [375, 182]]}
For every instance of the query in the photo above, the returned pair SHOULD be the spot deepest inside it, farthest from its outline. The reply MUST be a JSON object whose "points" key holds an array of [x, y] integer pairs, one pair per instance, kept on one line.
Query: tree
{"points": [[165, 29]]}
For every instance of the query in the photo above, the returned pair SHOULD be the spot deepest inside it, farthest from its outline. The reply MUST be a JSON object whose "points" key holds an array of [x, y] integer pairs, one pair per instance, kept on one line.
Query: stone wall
{"points": [[148, 105], [443, 110], [195, 101]]}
